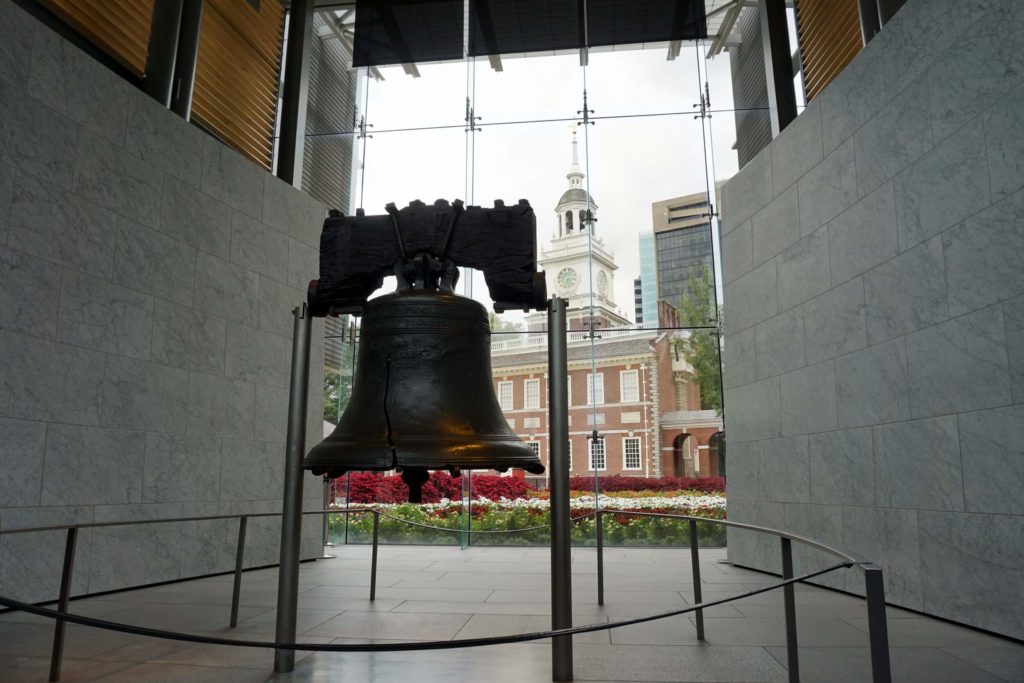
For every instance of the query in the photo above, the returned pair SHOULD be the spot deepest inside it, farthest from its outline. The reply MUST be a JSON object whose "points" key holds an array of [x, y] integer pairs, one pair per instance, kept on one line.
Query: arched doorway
{"points": [[682, 463], [716, 452]]}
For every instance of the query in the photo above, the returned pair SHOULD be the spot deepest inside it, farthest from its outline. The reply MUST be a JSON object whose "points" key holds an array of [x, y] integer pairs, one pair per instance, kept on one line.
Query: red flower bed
{"points": [[622, 483], [368, 487]]}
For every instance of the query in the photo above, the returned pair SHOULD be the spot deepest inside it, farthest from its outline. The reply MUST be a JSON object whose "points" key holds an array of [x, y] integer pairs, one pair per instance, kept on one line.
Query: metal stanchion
{"points": [[600, 556], [878, 630], [291, 519], [236, 591], [373, 556], [561, 556], [695, 564], [789, 601], [62, 603]]}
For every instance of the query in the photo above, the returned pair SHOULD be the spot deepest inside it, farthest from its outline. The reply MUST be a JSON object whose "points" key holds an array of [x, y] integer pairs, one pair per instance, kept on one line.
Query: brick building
{"points": [[630, 385]]}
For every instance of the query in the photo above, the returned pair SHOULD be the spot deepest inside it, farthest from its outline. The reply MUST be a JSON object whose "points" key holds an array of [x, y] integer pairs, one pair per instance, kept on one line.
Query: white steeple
{"points": [[575, 175]]}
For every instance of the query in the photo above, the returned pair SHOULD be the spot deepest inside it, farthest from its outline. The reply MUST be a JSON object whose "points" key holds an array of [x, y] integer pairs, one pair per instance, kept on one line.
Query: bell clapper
{"points": [[415, 478]]}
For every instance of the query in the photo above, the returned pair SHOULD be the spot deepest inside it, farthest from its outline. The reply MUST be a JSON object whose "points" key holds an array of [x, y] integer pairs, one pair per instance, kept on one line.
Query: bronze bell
{"points": [[423, 398]]}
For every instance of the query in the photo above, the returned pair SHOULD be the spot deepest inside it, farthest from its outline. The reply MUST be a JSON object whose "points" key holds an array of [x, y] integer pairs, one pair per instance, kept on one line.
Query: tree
{"points": [[503, 324], [701, 348], [338, 383]]}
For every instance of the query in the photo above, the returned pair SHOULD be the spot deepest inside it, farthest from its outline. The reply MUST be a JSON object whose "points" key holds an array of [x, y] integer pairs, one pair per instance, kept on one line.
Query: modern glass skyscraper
{"points": [[681, 245], [647, 308]]}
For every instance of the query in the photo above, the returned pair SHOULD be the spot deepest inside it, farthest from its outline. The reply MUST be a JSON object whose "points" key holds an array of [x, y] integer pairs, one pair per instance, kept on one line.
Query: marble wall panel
{"points": [[218, 406], [906, 293], [272, 413], [992, 444], [292, 212], [895, 138], [754, 298], [167, 142], [208, 547], [256, 356], [27, 389], [918, 466], [29, 294], [56, 225], [737, 253], [226, 290], [21, 462], [803, 270], [1013, 318], [959, 365], [983, 256], [779, 344], [963, 558], [181, 468], [303, 263], [738, 358], [69, 81], [148, 553], [1003, 144], [795, 153], [6, 190], [258, 248], [834, 322], [889, 538], [189, 339], [943, 187], [231, 178], [747, 191], [153, 263], [918, 38], [263, 537], [863, 236], [31, 563], [853, 97], [137, 394], [776, 226], [754, 411], [109, 176], [103, 316], [744, 460], [819, 523], [809, 399], [195, 218], [252, 470], [842, 468], [277, 301], [37, 140], [828, 189], [783, 470], [91, 465], [17, 29], [872, 386]]}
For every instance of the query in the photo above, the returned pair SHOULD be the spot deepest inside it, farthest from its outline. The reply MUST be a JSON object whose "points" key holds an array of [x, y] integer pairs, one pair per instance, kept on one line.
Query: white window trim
{"points": [[604, 454], [595, 389], [511, 396], [639, 453], [568, 390], [622, 386], [537, 444], [527, 404]]}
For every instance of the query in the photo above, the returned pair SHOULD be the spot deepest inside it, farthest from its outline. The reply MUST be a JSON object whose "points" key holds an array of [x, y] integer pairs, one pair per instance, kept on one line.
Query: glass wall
{"points": [[593, 140]]}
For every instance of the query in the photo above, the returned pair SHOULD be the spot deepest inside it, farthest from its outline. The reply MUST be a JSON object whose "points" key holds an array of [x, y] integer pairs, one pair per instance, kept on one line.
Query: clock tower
{"points": [[578, 266]]}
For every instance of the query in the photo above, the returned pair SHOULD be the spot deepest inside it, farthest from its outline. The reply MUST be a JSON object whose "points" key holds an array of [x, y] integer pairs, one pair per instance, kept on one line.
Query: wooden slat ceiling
{"points": [[119, 28], [829, 32], [237, 74]]}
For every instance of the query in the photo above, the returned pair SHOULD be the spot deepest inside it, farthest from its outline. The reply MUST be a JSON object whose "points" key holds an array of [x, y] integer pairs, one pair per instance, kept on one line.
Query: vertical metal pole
{"points": [[600, 556], [236, 592], [291, 519], [186, 58], [561, 555], [778, 64], [158, 81], [695, 565], [62, 603], [789, 601], [348, 504], [294, 97], [878, 629], [373, 556]]}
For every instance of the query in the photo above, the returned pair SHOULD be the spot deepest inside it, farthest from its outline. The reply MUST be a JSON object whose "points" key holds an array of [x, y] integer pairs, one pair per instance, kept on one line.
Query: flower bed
{"points": [[531, 517]]}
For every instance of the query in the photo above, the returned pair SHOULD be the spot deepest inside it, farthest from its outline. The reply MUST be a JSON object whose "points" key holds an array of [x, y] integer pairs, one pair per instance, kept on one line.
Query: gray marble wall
{"points": [[147, 277], [874, 296]]}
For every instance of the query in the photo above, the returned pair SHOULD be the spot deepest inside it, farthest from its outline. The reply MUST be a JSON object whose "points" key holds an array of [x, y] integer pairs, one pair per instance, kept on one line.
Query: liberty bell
{"points": [[422, 397]]}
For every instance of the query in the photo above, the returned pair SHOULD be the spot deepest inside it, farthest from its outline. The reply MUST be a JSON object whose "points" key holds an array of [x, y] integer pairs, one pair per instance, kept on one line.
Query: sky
{"points": [[630, 162]]}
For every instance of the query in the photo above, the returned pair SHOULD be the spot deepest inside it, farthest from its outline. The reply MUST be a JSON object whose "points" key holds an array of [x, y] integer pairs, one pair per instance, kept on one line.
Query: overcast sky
{"points": [[630, 163]]}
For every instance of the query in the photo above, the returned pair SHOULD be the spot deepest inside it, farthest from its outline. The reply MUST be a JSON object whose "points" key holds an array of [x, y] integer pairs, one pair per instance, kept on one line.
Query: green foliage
{"points": [[503, 324], [701, 349], [336, 392]]}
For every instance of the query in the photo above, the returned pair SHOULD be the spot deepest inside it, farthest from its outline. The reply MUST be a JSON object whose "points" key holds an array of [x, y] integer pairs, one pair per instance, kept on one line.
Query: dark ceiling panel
{"points": [[625, 22], [407, 31]]}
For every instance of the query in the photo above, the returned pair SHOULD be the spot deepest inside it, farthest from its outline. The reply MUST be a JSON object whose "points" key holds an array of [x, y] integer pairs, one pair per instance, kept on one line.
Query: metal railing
{"points": [[875, 596]]}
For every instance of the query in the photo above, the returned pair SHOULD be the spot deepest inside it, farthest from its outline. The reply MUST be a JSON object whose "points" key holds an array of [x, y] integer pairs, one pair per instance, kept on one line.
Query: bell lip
{"points": [[425, 454]]}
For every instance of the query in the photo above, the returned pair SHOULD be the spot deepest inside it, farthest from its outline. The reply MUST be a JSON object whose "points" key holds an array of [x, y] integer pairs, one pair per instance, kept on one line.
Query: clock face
{"points": [[602, 283], [567, 279]]}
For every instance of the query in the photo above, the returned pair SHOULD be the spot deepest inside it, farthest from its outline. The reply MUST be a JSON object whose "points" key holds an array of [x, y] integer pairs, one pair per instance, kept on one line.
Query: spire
{"points": [[575, 175]]}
